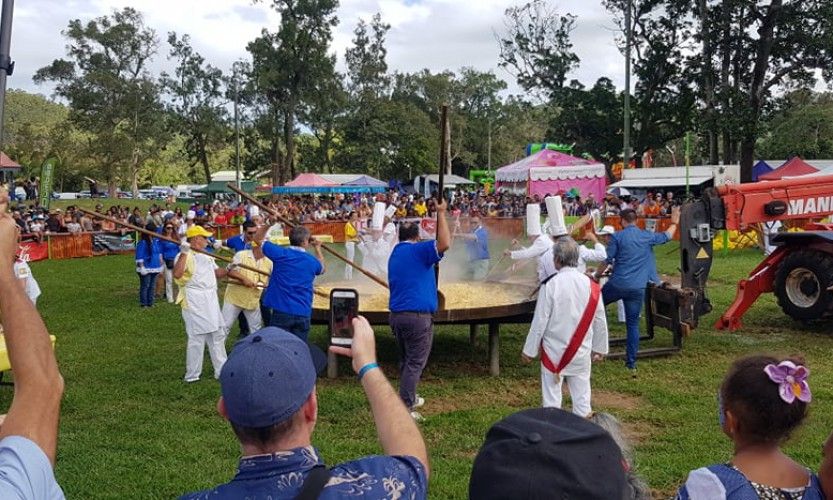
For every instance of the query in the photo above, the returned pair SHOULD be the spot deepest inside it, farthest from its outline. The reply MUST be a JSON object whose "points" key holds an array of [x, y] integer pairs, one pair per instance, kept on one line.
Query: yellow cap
{"points": [[197, 231]]}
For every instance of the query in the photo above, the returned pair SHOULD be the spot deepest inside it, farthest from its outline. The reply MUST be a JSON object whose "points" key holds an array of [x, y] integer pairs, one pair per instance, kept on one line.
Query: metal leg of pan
{"points": [[494, 349], [332, 365], [474, 329]]}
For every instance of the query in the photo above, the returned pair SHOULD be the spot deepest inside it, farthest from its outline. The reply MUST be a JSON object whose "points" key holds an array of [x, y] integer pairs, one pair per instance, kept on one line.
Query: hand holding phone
{"points": [[344, 307]]}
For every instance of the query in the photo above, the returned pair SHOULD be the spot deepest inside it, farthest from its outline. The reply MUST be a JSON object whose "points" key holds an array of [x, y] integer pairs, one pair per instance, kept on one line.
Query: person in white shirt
{"points": [[558, 229], [24, 274], [540, 242], [562, 302], [196, 274]]}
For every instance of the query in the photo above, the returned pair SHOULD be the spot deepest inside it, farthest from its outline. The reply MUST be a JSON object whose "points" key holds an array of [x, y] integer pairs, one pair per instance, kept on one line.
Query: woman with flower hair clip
{"points": [[761, 402]]}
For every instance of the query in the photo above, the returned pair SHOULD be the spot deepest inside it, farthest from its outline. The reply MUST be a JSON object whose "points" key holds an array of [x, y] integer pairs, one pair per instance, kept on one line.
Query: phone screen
{"points": [[344, 306]]}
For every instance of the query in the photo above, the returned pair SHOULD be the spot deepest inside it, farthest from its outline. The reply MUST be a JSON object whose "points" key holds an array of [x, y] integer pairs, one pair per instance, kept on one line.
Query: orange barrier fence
{"points": [[656, 225]]}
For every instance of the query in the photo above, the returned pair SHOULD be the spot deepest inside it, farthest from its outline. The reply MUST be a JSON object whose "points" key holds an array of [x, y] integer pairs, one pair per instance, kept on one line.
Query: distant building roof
{"points": [[7, 163]]}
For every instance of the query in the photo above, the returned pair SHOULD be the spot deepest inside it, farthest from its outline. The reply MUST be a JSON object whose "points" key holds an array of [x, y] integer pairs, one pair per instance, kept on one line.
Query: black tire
{"points": [[801, 284]]}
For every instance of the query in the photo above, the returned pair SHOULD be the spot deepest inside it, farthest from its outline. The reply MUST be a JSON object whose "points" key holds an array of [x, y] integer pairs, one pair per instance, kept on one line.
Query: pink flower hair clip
{"points": [[791, 380]]}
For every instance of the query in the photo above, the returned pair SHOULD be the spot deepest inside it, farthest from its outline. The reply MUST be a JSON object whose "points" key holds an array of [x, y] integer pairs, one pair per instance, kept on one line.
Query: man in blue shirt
{"points": [[630, 252], [268, 396], [413, 300], [242, 241], [29, 434], [290, 289], [477, 246]]}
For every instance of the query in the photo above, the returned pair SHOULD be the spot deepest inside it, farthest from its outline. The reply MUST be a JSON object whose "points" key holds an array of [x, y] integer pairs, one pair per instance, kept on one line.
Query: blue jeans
{"points": [[296, 325], [633, 298], [147, 288]]}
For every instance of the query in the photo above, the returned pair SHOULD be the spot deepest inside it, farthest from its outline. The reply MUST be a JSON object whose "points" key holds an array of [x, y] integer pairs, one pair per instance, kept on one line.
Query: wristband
{"points": [[366, 368]]}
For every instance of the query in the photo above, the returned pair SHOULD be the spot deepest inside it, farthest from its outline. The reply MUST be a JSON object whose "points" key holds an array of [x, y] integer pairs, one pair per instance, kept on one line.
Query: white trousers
{"points": [[194, 353], [579, 386], [169, 284], [350, 250], [231, 311]]}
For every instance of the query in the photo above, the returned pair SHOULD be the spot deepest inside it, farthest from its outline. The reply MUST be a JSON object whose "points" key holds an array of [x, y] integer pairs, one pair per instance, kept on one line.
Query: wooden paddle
{"points": [[165, 238], [444, 143], [289, 223]]}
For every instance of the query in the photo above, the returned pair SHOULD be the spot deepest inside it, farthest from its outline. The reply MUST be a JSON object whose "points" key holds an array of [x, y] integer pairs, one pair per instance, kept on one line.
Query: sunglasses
{"points": [[251, 233], [169, 227]]}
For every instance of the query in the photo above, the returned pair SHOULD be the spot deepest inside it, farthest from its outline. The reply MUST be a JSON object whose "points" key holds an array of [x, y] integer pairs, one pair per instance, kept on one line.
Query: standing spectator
{"points": [[268, 397], [568, 330], [196, 274], [290, 289], [413, 301], [630, 252], [29, 434], [148, 266], [549, 453], [54, 224], [761, 402], [25, 278], [242, 241], [169, 253], [20, 192], [477, 246]]}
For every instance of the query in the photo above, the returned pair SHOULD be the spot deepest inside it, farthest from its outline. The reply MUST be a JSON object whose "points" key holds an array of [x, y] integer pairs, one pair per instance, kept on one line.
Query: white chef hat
{"points": [[533, 219], [557, 226], [378, 215], [390, 211], [191, 214]]}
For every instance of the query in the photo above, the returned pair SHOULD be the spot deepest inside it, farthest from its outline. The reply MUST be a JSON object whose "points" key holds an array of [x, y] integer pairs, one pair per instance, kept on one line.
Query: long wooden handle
{"points": [[289, 223], [165, 238]]}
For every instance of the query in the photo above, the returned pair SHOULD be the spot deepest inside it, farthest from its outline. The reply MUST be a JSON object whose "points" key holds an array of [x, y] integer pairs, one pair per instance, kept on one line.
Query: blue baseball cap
{"points": [[268, 377]]}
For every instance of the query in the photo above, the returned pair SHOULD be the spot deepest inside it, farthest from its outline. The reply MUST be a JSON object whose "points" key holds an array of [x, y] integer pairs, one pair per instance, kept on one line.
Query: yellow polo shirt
{"points": [[244, 297]]}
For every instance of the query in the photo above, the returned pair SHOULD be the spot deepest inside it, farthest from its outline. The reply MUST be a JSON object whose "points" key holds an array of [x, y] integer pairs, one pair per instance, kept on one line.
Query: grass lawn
{"points": [[131, 428]]}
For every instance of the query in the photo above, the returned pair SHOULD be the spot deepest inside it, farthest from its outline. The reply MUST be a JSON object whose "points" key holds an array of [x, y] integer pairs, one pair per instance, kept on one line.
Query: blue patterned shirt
{"points": [[281, 475]]}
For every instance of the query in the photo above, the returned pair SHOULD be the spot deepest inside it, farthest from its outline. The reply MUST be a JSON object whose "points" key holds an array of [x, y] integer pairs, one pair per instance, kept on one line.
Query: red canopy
{"points": [[792, 168], [310, 180], [6, 162]]}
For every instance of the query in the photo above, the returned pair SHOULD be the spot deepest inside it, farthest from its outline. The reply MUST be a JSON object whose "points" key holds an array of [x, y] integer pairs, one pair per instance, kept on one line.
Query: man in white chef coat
{"points": [[196, 274], [558, 229], [540, 242], [568, 330]]}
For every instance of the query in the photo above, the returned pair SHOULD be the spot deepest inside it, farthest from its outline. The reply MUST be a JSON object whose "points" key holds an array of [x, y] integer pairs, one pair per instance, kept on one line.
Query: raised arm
{"points": [[36, 405], [443, 234], [397, 431], [675, 221]]}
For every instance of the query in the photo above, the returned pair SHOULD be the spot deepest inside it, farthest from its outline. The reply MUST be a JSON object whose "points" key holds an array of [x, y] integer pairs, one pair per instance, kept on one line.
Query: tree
{"points": [[287, 64], [801, 126], [197, 110], [110, 93], [537, 47]]}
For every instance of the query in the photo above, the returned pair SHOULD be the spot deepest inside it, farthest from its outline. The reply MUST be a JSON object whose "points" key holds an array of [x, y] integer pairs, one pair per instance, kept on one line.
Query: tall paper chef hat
{"points": [[556, 214], [378, 215], [533, 219], [390, 211]]}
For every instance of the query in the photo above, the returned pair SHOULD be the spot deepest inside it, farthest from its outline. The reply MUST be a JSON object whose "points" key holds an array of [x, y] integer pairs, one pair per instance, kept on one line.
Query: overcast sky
{"points": [[433, 34]]}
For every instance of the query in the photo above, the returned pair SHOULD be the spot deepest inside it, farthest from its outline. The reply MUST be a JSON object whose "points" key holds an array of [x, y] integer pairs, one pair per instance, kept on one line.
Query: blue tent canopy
{"points": [[366, 180], [327, 189], [760, 169]]}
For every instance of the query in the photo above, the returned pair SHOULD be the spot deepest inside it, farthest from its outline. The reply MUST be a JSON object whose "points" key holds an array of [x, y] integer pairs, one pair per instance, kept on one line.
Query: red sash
{"points": [[578, 335]]}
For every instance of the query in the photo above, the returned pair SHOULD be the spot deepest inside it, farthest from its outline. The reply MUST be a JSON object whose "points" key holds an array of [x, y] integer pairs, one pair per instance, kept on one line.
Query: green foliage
{"points": [[198, 110], [801, 126], [111, 95]]}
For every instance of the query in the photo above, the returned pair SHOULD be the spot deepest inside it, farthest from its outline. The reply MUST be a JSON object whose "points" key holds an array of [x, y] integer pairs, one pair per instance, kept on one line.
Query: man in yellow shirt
{"points": [[351, 237], [243, 294], [420, 208]]}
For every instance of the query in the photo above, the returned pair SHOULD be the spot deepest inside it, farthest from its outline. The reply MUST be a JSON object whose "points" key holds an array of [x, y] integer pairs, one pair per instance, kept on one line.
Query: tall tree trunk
{"points": [[134, 174], [289, 141], [206, 168], [758, 88], [708, 80], [725, 64]]}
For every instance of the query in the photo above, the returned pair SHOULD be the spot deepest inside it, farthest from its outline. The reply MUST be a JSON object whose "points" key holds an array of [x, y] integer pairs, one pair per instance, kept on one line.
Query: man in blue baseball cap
{"points": [[269, 398]]}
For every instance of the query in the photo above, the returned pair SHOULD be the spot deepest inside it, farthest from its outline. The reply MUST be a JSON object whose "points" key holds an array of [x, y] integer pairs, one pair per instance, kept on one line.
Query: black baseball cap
{"points": [[548, 453]]}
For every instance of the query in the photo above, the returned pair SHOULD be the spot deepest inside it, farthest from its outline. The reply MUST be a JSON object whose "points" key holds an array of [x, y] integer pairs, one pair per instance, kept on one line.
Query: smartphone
{"points": [[344, 306]]}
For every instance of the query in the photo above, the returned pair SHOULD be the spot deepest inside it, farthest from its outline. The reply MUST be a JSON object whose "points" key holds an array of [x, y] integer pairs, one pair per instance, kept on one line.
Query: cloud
{"points": [[433, 34]]}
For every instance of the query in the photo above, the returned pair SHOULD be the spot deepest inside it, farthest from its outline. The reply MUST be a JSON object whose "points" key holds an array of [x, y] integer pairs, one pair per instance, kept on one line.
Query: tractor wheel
{"points": [[801, 284]]}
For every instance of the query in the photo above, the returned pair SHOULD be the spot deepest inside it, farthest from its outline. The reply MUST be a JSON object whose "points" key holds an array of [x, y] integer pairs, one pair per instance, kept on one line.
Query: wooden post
{"points": [[474, 328], [332, 365], [494, 349]]}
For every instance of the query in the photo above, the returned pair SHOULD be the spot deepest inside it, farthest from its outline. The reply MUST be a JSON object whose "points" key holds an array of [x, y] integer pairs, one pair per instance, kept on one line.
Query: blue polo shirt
{"points": [[413, 287], [237, 243], [281, 476], [479, 248], [291, 283], [631, 253]]}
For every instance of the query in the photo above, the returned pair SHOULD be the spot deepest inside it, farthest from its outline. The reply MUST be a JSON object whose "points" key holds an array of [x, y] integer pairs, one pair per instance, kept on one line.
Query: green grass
{"points": [[131, 429]]}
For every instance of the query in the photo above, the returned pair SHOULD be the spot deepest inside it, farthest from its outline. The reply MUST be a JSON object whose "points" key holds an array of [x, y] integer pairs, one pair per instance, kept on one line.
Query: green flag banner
{"points": [[47, 170]]}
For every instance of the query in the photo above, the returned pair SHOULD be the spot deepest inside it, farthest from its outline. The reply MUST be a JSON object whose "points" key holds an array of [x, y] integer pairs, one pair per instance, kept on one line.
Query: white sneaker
{"points": [[418, 403], [417, 416]]}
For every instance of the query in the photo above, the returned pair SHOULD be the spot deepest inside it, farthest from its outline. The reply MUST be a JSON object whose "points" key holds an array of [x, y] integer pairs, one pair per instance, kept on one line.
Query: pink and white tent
{"points": [[310, 180], [551, 172]]}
